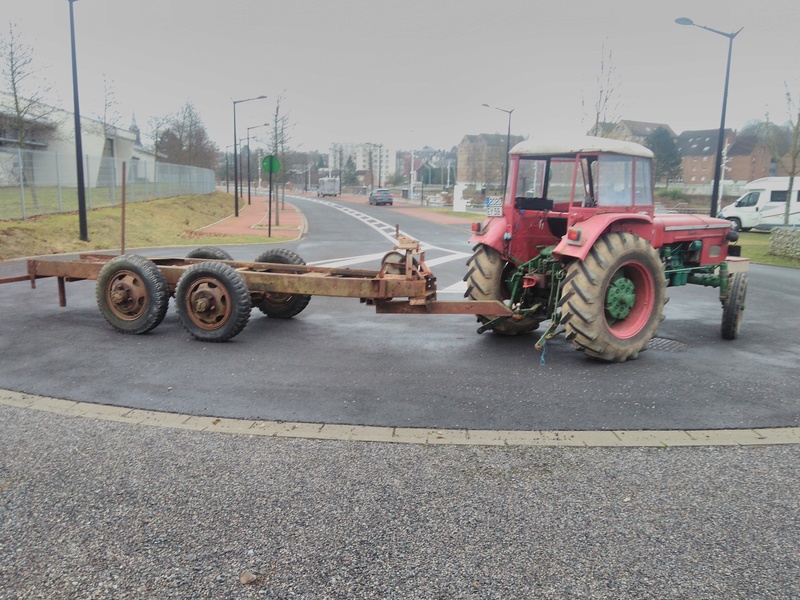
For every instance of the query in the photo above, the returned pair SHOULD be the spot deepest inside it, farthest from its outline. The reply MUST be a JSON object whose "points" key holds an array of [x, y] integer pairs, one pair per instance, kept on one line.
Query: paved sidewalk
{"points": [[288, 222]]}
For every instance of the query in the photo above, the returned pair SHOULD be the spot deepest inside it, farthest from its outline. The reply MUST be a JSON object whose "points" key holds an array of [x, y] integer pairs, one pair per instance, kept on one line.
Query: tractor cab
{"points": [[553, 187]]}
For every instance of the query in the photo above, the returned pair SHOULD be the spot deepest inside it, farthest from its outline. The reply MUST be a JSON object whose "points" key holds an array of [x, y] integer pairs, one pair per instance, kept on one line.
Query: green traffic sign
{"points": [[271, 163]]}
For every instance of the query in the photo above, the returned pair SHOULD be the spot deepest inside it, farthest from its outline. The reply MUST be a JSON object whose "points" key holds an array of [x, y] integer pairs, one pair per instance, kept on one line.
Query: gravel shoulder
{"points": [[98, 509]]}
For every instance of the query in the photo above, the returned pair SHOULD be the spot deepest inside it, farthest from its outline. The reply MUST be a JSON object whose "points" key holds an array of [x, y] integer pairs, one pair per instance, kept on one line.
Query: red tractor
{"points": [[576, 241]]}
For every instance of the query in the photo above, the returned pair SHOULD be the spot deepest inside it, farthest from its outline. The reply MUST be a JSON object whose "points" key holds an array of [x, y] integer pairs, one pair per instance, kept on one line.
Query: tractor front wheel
{"points": [[486, 281], [734, 306], [613, 301]]}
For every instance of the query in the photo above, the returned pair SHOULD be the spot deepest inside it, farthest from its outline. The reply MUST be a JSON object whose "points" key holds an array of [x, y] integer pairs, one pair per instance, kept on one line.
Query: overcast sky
{"points": [[414, 73]]}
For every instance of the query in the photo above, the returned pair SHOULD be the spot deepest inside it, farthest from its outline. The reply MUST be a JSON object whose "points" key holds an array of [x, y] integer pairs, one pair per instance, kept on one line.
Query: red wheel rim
{"points": [[638, 306]]}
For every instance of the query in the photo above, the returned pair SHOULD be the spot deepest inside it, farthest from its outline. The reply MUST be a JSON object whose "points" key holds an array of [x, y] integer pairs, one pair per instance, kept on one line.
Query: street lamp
{"points": [[720, 141], [508, 142], [248, 157], [84, 231], [235, 163]]}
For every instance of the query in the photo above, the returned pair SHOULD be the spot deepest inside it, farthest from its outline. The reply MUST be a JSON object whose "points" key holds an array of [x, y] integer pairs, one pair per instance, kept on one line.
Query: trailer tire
{"points": [[733, 308], [276, 305], [212, 301], [612, 302], [132, 294], [209, 253], [485, 281]]}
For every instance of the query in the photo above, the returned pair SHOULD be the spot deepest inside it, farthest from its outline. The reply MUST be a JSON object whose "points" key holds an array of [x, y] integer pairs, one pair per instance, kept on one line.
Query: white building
{"points": [[52, 135], [377, 159]]}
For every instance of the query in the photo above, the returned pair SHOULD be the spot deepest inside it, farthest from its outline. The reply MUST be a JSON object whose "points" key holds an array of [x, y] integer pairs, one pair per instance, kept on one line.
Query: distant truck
{"points": [[763, 205], [329, 186]]}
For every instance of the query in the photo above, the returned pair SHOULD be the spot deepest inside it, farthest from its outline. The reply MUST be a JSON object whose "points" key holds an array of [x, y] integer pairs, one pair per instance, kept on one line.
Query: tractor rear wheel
{"points": [[613, 301], [276, 305], [486, 281], [734, 307]]}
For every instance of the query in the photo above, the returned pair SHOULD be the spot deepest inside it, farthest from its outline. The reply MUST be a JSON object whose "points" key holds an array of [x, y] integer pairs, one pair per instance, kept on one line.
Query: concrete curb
{"points": [[406, 435]]}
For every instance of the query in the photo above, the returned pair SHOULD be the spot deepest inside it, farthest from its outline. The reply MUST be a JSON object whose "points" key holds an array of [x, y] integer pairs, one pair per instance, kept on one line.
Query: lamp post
{"points": [[84, 232], [248, 157], [721, 140], [241, 167], [508, 142], [235, 162]]}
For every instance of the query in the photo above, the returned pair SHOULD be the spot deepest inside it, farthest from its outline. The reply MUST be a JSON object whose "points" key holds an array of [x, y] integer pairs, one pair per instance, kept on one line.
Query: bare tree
{"points": [[607, 103], [787, 156], [184, 140], [110, 118], [24, 113], [156, 126], [279, 143]]}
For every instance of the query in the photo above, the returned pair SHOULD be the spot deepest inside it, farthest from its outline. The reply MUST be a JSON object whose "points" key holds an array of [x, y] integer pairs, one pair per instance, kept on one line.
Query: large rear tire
{"points": [[132, 294], [486, 281], [612, 302], [733, 308], [276, 305], [213, 301]]}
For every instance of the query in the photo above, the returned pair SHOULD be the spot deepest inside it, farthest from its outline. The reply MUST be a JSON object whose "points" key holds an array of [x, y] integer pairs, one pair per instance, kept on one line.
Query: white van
{"points": [[764, 205]]}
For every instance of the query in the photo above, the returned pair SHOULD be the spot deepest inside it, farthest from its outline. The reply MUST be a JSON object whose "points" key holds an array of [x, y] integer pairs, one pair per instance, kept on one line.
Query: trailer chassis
{"points": [[214, 298]]}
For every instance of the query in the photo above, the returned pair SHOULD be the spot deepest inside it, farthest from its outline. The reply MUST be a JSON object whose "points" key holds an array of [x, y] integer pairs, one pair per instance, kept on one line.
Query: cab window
{"points": [[614, 181], [750, 199]]}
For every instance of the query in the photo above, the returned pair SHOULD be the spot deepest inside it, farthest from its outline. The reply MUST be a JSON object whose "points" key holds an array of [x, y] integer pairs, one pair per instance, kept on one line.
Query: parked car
{"points": [[380, 196]]}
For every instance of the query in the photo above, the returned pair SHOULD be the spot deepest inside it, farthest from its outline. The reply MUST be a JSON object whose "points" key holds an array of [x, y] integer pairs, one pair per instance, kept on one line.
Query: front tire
{"points": [[132, 294], [276, 305], [486, 281], [733, 308], [213, 301], [613, 301]]}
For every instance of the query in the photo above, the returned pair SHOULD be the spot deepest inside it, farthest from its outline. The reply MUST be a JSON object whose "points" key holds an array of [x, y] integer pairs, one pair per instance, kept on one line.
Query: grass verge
{"points": [[755, 246], [167, 222]]}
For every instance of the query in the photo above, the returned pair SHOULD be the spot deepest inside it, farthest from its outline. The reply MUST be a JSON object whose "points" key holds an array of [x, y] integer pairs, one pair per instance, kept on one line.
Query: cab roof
{"points": [[580, 145]]}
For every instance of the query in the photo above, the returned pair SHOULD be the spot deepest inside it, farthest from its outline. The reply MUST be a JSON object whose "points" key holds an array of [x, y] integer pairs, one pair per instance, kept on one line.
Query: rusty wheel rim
{"points": [[208, 304], [127, 295]]}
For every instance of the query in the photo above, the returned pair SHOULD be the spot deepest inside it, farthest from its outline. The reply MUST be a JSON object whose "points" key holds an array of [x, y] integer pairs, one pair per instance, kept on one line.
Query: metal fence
{"points": [[34, 182]]}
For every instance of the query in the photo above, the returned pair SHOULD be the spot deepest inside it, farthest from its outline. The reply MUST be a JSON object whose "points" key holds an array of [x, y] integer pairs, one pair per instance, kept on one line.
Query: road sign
{"points": [[271, 163]]}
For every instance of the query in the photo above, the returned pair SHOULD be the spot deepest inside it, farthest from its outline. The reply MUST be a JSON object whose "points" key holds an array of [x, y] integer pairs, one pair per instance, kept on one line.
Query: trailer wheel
{"points": [[485, 281], [276, 305], [132, 294], [213, 301], [733, 308], [613, 301], [209, 253]]}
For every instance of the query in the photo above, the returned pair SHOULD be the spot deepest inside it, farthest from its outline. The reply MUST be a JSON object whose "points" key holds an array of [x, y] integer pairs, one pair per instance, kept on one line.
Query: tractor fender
{"points": [[595, 226], [493, 233]]}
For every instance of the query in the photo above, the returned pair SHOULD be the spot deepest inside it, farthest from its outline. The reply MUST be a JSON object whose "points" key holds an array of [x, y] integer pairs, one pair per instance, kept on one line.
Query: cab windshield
{"points": [[597, 180]]}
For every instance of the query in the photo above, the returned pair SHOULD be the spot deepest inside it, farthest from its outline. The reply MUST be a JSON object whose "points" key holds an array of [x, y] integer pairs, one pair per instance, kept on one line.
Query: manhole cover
{"points": [[666, 345]]}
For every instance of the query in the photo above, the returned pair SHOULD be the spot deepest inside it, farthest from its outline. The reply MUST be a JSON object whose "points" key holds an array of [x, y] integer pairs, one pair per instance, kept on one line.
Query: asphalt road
{"points": [[339, 362]]}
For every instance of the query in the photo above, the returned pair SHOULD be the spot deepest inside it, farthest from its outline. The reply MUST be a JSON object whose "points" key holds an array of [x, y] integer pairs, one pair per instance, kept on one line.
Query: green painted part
{"points": [[620, 297]]}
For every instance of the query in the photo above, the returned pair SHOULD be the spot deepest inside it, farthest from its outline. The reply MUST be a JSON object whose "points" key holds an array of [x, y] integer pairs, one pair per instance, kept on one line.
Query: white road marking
{"points": [[388, 231]]}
